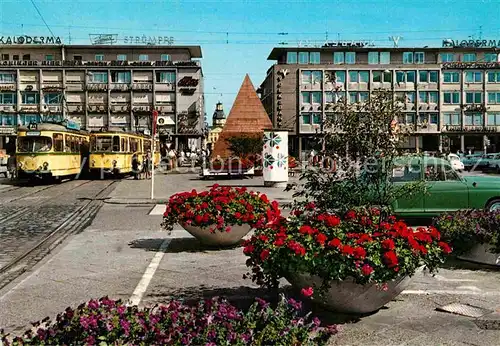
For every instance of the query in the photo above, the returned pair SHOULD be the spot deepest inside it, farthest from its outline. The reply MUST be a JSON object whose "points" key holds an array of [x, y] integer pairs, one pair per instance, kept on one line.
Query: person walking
{"points": [[135, 167]]}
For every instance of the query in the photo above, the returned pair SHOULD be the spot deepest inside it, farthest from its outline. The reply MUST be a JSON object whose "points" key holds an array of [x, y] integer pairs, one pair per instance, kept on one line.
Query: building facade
{"points": [[452, 94], [218, 122], [103, 86]]}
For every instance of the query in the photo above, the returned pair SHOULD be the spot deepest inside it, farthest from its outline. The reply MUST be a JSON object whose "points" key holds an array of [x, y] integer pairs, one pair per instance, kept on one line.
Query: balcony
{"points": [[29, 108], [8, 86], [7, 108], [97, 87], [165, 87], [120, 108], [76, 108], [119, 86], [142, 86], [97, 108]]}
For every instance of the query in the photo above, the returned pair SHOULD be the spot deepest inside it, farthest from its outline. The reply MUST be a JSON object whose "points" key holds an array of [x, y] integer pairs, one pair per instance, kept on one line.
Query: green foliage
{"points": [[245, 145]]}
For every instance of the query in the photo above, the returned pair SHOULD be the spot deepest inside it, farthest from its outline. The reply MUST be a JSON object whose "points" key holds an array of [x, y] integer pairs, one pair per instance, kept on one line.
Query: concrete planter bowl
{"points": [[349, 297], [480, 254], [218, 238]]}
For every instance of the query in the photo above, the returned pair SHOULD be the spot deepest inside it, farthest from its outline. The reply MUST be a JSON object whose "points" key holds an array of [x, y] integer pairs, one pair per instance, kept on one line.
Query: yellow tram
{"points": [[50, 150], [111, 151]]}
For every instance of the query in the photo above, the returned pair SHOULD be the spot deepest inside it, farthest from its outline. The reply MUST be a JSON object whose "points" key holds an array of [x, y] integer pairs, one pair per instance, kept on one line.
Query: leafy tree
{"points": [[245, 145], [361, 144]]}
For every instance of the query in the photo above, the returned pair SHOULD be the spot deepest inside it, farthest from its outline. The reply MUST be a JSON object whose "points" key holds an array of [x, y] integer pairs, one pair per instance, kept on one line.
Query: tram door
{"points": [[85, 158]]}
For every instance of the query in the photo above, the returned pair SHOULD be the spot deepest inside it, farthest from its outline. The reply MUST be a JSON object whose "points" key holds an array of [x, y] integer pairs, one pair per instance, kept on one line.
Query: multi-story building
{"points": [[218, 122], [98, 86], [452, 93]]}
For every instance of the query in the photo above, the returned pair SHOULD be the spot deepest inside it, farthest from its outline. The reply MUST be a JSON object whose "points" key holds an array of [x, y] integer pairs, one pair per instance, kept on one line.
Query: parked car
{"points": [[446, 189], [455, 162], [494, 164]]}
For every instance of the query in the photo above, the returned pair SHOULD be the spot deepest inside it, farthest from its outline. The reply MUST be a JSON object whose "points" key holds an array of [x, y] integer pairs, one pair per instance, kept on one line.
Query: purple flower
{"points": [[295, 304], [93, 304], [126, 326], [316, 321], [121, 309], [84, 323]]}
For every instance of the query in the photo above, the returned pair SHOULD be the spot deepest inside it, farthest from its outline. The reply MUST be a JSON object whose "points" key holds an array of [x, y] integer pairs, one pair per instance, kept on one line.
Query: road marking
{"points": [[442, 278], [159, 209], [451, 292], [142, 286]]}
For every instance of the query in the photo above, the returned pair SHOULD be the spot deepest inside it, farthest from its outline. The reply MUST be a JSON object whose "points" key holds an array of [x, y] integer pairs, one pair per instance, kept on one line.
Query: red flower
{"points": [[445, 247], [279, 242], [263, 238], [334, 242], [307, 292], [198, 219], [347, 250], [400, 227], [237, 215], [388, 244], [306, 229], [364, 239], [321, 238], [249, 249], [264, 254], [390, 259], [332, 221], [435, 233], [310, 206], [264, 198], [204, 205], [359, 252], [351, 214], [366, 270]]}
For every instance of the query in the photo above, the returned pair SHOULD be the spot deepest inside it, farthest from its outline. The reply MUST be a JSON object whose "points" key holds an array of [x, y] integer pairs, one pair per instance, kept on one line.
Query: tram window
{"points": [[133, 145], [92, 144], [75, 147], [147, 145], [58, 142], [116, 143], [67, 143], [103, 143], [34, 144], [124, 145]]}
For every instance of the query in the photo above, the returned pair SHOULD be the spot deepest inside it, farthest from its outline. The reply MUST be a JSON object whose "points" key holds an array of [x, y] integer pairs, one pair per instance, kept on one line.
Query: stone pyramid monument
{"points": [[246, 118]]}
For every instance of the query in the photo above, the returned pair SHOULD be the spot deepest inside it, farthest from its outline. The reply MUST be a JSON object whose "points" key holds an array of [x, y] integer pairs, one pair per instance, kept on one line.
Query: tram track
{"points": [[74, 223]]}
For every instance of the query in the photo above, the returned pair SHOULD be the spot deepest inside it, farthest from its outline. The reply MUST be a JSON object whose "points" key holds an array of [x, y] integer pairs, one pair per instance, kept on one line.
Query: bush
{"points": [[465, 228], [357, 245], [210, 323]]}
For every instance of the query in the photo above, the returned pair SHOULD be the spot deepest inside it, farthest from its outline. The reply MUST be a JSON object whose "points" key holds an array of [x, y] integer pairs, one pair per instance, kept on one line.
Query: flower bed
{"points": [[465, 229], [358, 247], [219, 208], [210, 323]]}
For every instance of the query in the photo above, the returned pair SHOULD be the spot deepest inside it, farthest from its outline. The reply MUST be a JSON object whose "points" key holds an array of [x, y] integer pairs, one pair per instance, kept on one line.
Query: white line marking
{"points": [[442, 278], [452, 292], [142, 286], [159, 209]]}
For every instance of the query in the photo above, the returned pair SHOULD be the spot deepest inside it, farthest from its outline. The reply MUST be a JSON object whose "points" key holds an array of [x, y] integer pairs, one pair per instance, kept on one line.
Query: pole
{"points": [[153, 147]]}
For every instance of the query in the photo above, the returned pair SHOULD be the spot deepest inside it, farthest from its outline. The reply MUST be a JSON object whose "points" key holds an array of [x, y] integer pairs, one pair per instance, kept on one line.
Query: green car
{"points": [[446, 189]]}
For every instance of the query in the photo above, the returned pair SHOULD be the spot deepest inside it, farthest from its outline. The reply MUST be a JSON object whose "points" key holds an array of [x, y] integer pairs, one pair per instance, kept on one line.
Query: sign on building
{"points": [[471, 43], [25, 39], [350, 43], [103, 38], [151, 40]]}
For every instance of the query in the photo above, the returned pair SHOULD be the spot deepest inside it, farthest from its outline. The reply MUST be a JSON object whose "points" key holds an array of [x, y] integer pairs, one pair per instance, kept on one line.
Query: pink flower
{"points": [[307, 292]]}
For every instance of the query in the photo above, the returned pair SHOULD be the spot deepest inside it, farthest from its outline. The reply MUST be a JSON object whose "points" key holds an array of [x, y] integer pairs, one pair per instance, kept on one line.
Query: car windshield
{"points": [[34, 144]]}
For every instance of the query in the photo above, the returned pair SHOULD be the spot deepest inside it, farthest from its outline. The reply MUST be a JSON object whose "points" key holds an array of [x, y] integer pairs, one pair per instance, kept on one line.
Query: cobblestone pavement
{"points": [[28, 214]]}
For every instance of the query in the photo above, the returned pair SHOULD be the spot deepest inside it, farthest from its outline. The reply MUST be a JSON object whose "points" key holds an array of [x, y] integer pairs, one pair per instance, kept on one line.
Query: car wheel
{"points": [[493, 205]]}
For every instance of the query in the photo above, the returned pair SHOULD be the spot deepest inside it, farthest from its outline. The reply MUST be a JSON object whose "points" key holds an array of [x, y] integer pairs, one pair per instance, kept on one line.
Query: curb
{"points": [[136, 201]]}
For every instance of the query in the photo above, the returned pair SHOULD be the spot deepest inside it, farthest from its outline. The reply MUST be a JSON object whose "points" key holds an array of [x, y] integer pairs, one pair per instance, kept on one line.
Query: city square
{"points": [[173, 184]]}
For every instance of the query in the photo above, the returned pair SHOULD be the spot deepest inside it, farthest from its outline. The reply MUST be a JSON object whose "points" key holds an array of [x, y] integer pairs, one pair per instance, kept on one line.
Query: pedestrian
{"points": [[135, 167], [149, 164]]}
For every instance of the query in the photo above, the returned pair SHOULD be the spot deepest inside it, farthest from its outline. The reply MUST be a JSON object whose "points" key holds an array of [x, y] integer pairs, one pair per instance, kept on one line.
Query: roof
{"points": [[51, 127], [194, 51], [278, 51], [246, 118]]}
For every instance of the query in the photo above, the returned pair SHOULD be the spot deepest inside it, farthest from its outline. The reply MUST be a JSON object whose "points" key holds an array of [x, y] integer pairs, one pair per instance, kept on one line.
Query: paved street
{"points": [[114, 256]]}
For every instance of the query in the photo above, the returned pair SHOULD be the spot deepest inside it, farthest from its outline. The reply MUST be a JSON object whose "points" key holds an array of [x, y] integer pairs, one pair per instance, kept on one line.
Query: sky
{"points": [[237, 36]]}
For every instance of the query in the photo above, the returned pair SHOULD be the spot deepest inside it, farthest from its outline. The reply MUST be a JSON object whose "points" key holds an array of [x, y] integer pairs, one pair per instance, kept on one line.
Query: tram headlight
{"points": [[45, 165], [20, 165]]}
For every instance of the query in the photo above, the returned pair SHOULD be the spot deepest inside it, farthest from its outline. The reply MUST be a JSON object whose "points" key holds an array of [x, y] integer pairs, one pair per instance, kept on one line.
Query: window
{"points": [[452, 119], [26, 57], [8, 120], [121, 57], [5, 56], [419, 57], [306, 97], [77, 57], [447, 57], [317, 77], [58, 142], [469, 57], [406, 97], [116, 143], [405, 76], [316, 119], [493, 77], [408, 58], [98, 77], [490, 57], [8, 98], [165, 57], [473, 119], [473, 97], [338, 58], [451, 77], [303, 57], [428, 76], [451, 97], [494, 98], [373, 58], [407, 118], [165, 77], [306, 118], [30, 98], [15, 57], [350, 58], [120, 77], [381, 76], [124, 145], [473, 77], [7, 77], [408, 172], [428, 96], [99, 57], [339, 76], [52, 98], [291, 57], [385, 57], [316, 97], [306, 77], [433, 118], [143, 57], [493, 119], [357, 96], [334, 97], [315, 57], [358, 76], [49, 57]]}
